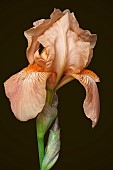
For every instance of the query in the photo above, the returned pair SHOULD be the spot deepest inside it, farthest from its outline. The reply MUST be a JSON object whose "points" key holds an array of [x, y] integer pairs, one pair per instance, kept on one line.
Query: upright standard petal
{"points": [[86, 36], [77, 52], [26, 91], [33, 33], [74, 25], [83, 35], [55, 37], [91, 103]]}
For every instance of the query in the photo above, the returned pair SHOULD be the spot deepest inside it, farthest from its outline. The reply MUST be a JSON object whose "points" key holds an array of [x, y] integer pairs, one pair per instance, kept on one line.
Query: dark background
{"points": [[83, 148]]}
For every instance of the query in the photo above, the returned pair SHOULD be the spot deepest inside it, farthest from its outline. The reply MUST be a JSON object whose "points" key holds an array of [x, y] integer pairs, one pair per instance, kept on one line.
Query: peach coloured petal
{"points": [[83, 35], [39, 60], [77, 52], [90, 74], [26, 91], [55, 37], [91, 103], [74, 25], [86, 36], [45, 59], [37, 23], [33, 33], [90, 56]]}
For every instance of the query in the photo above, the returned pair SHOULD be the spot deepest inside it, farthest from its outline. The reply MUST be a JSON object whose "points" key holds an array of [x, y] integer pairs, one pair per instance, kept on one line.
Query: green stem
{"points": [[50, 95], [40, 138], [41, 149]]}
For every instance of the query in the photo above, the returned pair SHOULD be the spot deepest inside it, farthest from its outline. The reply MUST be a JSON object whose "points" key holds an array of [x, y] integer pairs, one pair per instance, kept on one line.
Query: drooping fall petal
{"points": [[91, 103], [78, 52], [26, 91], [55, 37], [90, 74], [33, 33]]}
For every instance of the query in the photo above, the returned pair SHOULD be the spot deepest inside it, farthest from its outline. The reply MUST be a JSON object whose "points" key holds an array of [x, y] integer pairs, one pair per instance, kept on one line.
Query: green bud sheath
{"points": [[43, 122], [45, 119], [52, 148]]}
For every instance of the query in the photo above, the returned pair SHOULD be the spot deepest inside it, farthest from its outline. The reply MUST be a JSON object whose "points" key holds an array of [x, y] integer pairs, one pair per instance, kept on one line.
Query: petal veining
{"points": [[90, 74], [26, 91], [78, 52], [91, 103], [55, 37]]}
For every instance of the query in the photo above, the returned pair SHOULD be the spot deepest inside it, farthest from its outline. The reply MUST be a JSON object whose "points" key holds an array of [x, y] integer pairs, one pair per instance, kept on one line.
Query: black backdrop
{"points": [[83, 148]]}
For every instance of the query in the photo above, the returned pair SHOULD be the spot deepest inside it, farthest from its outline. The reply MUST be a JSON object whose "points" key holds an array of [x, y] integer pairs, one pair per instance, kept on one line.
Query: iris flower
{"points": [[67, 51]]}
